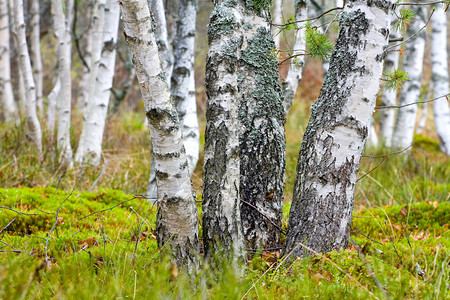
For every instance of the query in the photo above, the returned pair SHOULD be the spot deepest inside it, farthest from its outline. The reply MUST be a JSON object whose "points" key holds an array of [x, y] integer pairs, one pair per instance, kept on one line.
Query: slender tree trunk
{"points": [[51, 110], [64, 100], [177, 222], [35, 52], [440, 77], [6, 92], [316, 9], [167, 58], [294, 76], [183, 81], [389, 97], [413, 65], [277, 18], [165, 49], [89, 147], [83, 86], [333, 143], [372, 139], [32, 120]]}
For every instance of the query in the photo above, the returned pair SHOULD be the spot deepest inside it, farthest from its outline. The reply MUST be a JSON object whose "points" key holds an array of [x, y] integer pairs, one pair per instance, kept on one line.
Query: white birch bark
{"points": [[333, 143], [51, 109], [372, 139], [222, 228], [410, 92], [35, 53], [166, 55], [277, 18], [440, 77], [6, 92], [162, 38], [389, 96], [83, 85], [183, 81], [34, 127], [177, 222], [60, 24], [89, 146], [294, 76]]}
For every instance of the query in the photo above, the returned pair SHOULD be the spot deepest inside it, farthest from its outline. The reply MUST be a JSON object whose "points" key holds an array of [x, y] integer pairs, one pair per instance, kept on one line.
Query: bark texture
{"points": [[34, 127], [389, 96], [183, 82], [294, 76], [90, 146], [35, 53], [63, 104], [177, 222], [410, 92], [242, 72], [6, 92], [333, 143], [440, 77]]}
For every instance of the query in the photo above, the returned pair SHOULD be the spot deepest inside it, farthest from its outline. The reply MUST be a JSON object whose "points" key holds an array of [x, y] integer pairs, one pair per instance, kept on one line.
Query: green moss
{"points": [[426, 143]]}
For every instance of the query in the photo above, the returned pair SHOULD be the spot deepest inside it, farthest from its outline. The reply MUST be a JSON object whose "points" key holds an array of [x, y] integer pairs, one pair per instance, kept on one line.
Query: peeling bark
{"points": [[333, 143], [410, 92], [440, 77], [177, 224]]}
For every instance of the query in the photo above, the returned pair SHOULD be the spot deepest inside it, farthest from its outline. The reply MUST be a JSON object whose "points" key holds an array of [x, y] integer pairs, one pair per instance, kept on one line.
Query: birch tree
{"points": [[177, 223], [440, 76], [389, 96], [250, 118], [35, 53], [60, 24], [183, 81], [410, 92], [6, 92], [34, 127], [102, 69], [333, 143], [277, 18], [294, 76]]}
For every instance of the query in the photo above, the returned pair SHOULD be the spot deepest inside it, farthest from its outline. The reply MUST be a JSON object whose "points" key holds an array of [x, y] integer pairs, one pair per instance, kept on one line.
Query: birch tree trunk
{"points": [[183, 81], [83, 85], [410, 92], [177, 222], [104, 37], [35, 53], [277, 18], [294, 76], [64, 100], [51, 110], [34, 127], [440, 77], [389, 96], [240, 57], [333, 143], [6, 92], [221, 215], [166, 56]]}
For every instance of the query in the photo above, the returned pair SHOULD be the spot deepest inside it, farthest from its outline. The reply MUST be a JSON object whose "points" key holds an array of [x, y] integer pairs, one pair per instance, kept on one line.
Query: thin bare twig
{"points": [[18, 212], [105, 165], [112, 207], [9, 224], [262, 214], [412, 103]]}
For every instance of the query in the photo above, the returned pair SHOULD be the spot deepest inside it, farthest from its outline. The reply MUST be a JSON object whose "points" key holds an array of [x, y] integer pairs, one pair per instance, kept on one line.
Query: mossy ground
{"points": [[400, 231]]}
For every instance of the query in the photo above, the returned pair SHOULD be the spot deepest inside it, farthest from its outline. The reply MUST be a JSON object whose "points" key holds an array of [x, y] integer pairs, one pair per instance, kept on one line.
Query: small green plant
{"points": [[318, 44], [405, 19], [396, 79]]}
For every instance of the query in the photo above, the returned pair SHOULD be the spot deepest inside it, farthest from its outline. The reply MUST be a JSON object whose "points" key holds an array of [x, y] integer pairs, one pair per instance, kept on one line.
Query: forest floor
{"points": [[86, 233]]}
